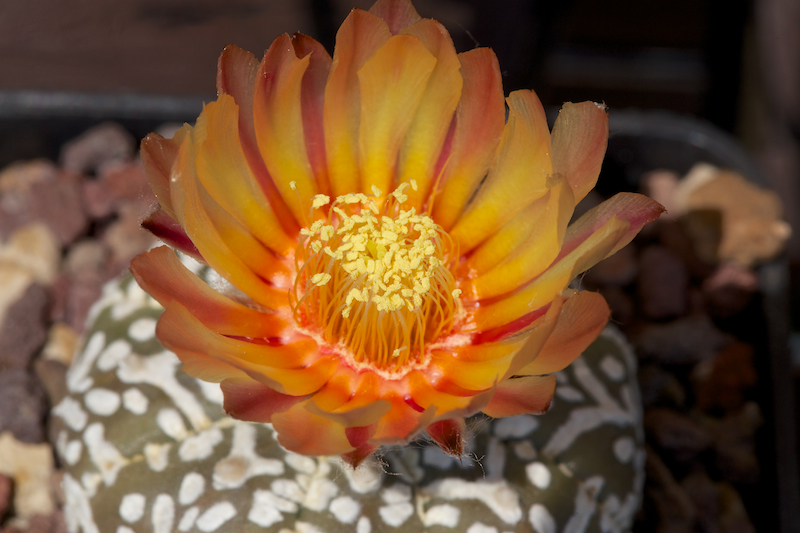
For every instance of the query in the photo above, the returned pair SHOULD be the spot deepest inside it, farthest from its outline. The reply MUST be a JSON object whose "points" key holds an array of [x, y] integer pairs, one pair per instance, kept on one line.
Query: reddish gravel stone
{"points": [[25, 421], [6, 492], [101, 145], [663, 282], [23, 331]]}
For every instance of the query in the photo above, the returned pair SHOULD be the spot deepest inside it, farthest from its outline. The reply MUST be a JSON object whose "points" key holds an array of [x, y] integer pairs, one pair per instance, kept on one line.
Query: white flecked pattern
{"points": [[211, 473]]}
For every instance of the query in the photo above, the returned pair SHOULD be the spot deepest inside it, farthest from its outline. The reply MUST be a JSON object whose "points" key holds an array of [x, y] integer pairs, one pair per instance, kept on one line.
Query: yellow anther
{"points": [[320, 200], [293, 185], [456, 293], [320, 279], [376, 191], [413, 184]]}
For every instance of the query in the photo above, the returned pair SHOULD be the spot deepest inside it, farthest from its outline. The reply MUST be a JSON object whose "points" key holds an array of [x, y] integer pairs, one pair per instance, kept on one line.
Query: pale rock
{"points": [[31, 468]]}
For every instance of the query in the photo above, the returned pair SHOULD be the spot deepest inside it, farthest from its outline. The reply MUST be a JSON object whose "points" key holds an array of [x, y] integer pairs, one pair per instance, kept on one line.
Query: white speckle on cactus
{"points": [[134, 401], [157, 456], [163, 514], [211, 392], [124, 529], [539, 475], [102, 402], [612, 368], [541, 519], [364, 525], [159, 370], [345, 509], [569, 394], [200, 446], [319, 494], [289, 489], [71, 412], [188, 519], [73, 451], [113, 354], [265, 511], [442, 515], [171, 423], [142, 329], [242, 463], [397, 493], [501, 499], [515, 427], [624, 448], [215, 516], [131, 508], [192, 487], [479, 527], [90, 482], [80, 510], [78, 379], [396, 514], [585, 504], [301, 463], [362, 480], [105, 456]]}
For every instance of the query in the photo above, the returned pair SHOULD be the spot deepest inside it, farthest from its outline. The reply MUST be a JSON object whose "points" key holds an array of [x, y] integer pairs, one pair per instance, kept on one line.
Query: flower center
{"points": [[375, 279]]}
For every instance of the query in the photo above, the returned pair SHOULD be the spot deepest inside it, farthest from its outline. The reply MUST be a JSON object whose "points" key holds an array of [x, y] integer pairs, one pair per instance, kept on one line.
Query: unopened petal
{"points": [[580, 137], [522, 395], [398, 14]]}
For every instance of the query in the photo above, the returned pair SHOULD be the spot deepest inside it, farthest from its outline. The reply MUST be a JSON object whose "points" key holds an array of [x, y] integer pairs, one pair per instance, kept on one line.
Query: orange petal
{"points": [[350, 399], [450, 435], [359, 437], [168, 230], [224, 173], [257, 257], [160, 273], [555, 279], [236, 76], [303, 432], [398, 14], [402, 423], [582, 318], [523, 395], [359, 36], [580, 136], [312, 96], [392, 84], [191, 213], [517, 177], [474, 367], [480, 118], [637, 209], [279, 125], [251, 401], [295, 369], [158, 155], [535, 253], [423, 144]]}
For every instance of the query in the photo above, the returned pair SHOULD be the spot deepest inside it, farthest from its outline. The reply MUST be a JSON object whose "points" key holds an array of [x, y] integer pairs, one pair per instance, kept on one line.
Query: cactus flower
{"points": [[393, 248]]}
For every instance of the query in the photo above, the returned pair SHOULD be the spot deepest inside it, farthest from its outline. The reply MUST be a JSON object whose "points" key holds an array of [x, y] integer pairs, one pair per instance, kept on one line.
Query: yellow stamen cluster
{"points": [[375, 278]]}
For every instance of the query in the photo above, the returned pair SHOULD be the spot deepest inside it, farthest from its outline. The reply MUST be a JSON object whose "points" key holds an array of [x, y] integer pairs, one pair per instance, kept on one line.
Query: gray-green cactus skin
{"points": [[146, 448]]}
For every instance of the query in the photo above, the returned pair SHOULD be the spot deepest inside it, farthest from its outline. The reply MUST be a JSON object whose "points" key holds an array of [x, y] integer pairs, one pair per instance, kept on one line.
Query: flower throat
{"points": [[375, 279]]}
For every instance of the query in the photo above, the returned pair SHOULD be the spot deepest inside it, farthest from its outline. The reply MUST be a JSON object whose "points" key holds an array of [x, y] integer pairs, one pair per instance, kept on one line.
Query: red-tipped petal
{"points": [[161, 274], [251, 401], [480, 118], [312, 100], [517, 396], [583, 317], [236, 76], [163, 226], [277, 108], [422, 146], [158, 155], [518, 175], [398, 14], [579, 138], [450, 435], [360, 35], [306, 433], [357, 456], [392, 84]]}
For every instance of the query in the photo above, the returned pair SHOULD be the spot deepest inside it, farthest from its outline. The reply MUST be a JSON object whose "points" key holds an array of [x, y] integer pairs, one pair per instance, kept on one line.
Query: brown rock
{"points": [[34, 192], [79, 299], [24, 420], [52, 376], [6, 492], [705, 495], [31, 468], [734, 443], [101, 145], [89, 261], [721, 382], [729, 289], [675, 509], [619, 269], [662, 283], [659, 387], [119, 183], [733, 518], [677, 435], [23, 330], [687, 340], [126, 238], [62, 341]]}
